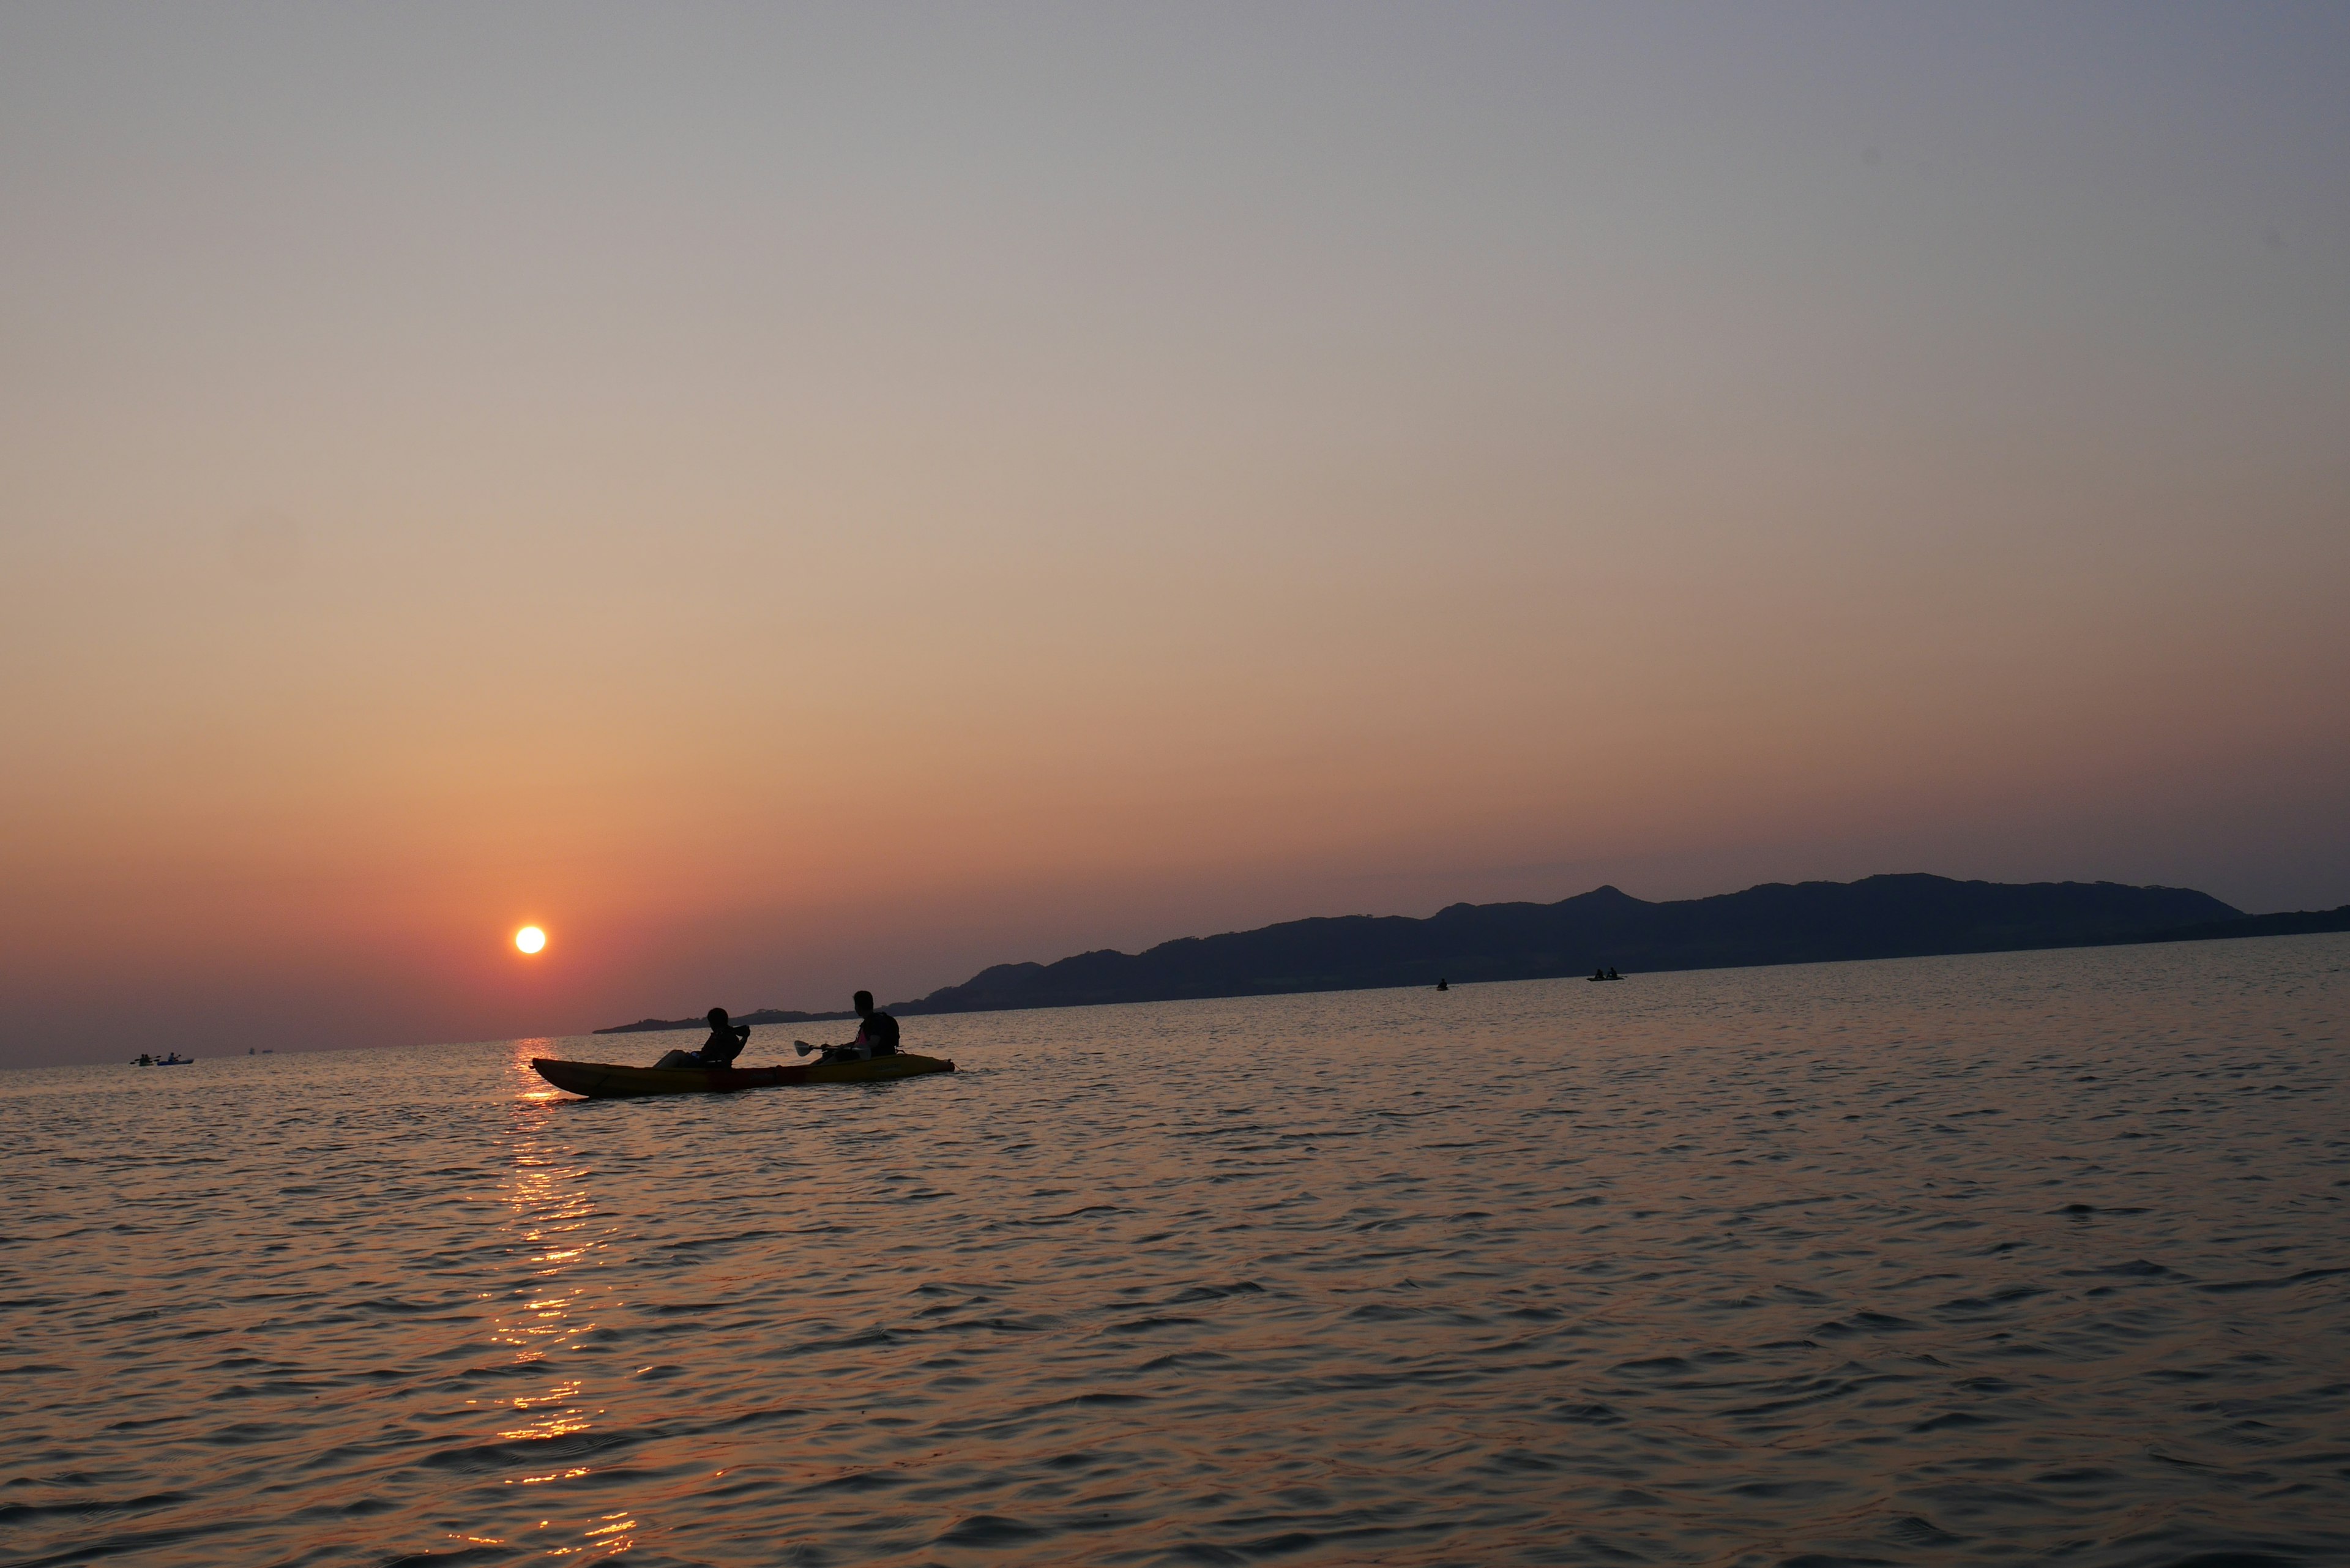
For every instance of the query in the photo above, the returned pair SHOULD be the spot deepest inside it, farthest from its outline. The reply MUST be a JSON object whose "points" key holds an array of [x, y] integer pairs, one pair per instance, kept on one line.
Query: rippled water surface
{"points": [[2025, 1258]]}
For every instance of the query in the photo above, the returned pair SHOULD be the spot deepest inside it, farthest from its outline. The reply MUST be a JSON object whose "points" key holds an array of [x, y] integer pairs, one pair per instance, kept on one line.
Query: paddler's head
{"points": [[718, 1018], [863, 1002]]}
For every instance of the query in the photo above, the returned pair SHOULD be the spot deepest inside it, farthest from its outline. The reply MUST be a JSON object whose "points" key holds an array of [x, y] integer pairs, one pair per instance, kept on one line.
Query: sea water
{"points": [[2024, 1258]]}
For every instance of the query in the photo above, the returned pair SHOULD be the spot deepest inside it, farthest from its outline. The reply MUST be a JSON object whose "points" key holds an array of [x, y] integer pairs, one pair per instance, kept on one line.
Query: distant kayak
{"points": [[607, 1081]]}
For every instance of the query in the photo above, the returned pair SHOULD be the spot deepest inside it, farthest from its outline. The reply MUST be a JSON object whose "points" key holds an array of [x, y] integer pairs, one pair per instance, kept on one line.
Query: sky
{"points": [[791, 499]]}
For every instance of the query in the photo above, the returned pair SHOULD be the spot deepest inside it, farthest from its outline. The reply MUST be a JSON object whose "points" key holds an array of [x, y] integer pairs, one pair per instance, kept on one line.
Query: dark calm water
{"points": [[2029, 1258]]}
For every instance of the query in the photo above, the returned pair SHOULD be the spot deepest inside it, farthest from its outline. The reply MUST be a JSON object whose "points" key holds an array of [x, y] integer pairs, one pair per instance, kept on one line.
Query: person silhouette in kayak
{"points": [[876, 1034], [726, 1040], [725, 1043]]}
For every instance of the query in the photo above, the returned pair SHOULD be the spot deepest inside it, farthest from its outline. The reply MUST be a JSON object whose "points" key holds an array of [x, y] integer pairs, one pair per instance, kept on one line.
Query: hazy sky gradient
{"points": [[793, 499]]}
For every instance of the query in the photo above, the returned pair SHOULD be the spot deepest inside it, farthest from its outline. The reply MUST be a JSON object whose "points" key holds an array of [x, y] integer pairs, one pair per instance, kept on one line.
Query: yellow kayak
{"points": [[607, 1080]]}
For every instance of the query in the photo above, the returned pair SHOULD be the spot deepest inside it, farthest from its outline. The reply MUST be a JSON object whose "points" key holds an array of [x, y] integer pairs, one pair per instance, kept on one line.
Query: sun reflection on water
{"points": [[557, 1236], [550, 1476], [533, 1089]]}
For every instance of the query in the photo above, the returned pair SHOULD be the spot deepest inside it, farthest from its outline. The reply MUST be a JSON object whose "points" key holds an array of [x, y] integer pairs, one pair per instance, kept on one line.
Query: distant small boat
{"points": [[173, 1060], [609, 1080]]}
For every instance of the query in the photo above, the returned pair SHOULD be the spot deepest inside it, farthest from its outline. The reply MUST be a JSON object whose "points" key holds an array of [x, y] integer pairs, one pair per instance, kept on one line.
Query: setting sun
{"points": [[530, 938]]}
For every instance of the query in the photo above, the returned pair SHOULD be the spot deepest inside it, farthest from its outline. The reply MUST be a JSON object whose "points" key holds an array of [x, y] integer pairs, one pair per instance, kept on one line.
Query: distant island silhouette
{"points": [[1907, 916]]}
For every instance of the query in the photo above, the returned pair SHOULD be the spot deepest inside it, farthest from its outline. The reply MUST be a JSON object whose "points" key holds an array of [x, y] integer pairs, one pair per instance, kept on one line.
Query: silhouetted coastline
{"points": [[1905, 915], [2296, 923], [1912, 914]]}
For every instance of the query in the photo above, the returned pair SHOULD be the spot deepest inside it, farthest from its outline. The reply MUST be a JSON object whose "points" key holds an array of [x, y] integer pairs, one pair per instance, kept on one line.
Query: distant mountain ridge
{"points": [[1907, 916], [1903, 916]]}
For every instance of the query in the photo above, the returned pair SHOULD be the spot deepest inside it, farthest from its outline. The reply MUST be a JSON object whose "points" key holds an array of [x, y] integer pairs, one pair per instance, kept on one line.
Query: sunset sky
{"points": [[790, 498]]}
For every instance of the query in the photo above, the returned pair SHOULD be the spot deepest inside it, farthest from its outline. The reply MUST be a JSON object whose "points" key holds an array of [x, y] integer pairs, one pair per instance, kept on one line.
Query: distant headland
{"points": [[1910, 916]]}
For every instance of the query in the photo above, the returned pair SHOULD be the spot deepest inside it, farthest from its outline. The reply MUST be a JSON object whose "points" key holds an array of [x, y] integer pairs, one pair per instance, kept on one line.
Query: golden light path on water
{"points": [[1935, 1261], [558, 1236]]}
